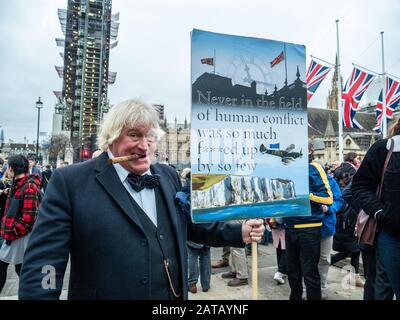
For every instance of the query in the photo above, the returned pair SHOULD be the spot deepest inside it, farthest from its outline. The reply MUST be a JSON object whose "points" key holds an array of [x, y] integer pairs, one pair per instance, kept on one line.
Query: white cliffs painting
{"points": [[238, 190]]}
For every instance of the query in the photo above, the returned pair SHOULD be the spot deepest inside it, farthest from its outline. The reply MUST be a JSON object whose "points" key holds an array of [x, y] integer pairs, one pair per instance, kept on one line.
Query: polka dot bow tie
{"points": [[138, 183]]}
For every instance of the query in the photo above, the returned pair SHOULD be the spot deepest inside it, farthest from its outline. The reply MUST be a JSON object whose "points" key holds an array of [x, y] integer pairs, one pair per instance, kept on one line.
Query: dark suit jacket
{"points": [[86, 213], [35, 170]]}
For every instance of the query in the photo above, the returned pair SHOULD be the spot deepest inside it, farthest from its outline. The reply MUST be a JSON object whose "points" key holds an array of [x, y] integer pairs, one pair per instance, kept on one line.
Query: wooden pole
{"points": [[254, 270]]}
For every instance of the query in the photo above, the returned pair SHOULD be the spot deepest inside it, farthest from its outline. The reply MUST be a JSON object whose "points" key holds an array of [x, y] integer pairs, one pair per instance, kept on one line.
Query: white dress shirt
{"points": [[146, 198]]}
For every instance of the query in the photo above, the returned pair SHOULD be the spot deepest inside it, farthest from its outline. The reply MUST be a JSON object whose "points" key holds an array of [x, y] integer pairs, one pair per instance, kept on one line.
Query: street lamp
{"points": [[39, 105]]}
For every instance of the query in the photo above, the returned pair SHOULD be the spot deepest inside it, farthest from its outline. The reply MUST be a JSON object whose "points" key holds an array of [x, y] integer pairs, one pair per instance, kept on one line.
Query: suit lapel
{"points": [[108, 178]]}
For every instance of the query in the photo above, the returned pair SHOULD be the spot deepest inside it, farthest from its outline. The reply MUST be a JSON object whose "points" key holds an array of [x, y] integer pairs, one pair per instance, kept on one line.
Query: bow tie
{"points": [[138, 183]]}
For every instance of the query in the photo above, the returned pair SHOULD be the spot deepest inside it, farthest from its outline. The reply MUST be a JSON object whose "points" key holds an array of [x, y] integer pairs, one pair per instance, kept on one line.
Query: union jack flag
{"points": [[392, 102], [209, 61], [353, 91], [316, 73], [277, 60]]}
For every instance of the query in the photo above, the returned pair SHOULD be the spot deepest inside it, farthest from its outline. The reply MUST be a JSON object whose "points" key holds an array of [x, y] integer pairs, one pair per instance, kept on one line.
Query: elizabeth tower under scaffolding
{"points": [[89, 27]]}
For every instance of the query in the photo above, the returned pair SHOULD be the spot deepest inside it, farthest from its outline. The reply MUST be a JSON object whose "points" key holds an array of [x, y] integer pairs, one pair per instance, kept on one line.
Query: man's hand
{"points": [[253, 230], [390, 215], [325, 208]]}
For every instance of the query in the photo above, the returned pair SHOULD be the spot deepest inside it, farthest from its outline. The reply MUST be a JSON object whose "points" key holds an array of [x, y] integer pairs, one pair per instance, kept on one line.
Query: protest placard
{"points": [[249, 149]]}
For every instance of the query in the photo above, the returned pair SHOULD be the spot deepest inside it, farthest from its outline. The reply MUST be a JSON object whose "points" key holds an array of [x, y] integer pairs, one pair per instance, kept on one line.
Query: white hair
{"points": [[127, 114]]}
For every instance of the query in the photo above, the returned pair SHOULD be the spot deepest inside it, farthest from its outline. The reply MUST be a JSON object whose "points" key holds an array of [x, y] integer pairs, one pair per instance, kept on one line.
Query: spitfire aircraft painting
{"points": [[288, 155]]}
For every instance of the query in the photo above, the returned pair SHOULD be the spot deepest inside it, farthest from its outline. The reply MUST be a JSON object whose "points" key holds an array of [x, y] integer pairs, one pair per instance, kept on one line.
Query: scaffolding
{"points": [[88, 28]]}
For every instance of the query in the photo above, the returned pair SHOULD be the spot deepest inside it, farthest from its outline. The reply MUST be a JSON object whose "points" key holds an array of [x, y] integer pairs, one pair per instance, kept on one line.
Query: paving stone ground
{"points": [[338, 289]]}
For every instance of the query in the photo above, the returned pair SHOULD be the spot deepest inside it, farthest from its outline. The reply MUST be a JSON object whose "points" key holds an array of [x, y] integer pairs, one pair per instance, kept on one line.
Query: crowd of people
{"points": [[306, 247], [127, 229]]}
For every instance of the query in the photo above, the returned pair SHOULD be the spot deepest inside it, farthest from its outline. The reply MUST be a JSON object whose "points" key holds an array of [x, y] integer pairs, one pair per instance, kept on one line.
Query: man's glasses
{"points": [[150, 136]]}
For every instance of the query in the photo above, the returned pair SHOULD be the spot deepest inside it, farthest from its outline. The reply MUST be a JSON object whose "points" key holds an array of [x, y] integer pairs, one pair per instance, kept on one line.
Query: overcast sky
{"points": [[153, 55]]}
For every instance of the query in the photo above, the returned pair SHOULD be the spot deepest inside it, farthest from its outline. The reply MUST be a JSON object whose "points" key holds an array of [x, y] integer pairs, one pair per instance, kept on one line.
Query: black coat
{"points": [[367, 180], [344, 174], [86, 212], [344, 239], [46, 175]]}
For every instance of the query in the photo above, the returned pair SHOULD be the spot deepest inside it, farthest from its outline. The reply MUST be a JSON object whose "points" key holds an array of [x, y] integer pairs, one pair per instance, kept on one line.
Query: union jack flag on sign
{"points": [[209, 61], [353, 91], [277, 60], [392, 102], [316, 73]]}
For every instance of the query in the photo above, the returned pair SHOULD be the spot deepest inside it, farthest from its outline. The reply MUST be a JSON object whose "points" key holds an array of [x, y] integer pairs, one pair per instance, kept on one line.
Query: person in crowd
{"points": [[334, 165], [64, 164], [4, 166], [386, 210], [345, 241], [33, 169], [119, 221], [199, 255], [368, 256], [327, 232], [303, 236], [46, 175], [20, 213], [224, 261], [278, 240], [1, 168], [345, 172], [5, 184], [239, 273]]}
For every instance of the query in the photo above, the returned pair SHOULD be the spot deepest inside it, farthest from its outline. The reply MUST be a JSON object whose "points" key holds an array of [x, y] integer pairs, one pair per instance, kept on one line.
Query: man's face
{"points": [[10, 173], [142, 141], [357, 162], [31, 163]]}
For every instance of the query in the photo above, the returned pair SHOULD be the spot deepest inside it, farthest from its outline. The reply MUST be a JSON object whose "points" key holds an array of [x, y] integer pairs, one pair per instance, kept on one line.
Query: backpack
{"points": [[344, 239], [40, 192]]}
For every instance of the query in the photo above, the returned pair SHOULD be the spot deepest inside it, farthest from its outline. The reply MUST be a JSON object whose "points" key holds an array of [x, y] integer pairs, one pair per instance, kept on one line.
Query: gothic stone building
{"points": [[323, 133]]}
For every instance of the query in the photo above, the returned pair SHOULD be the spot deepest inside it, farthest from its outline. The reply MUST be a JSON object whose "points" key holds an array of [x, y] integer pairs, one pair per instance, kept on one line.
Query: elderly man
{"points": [[119, 222]]}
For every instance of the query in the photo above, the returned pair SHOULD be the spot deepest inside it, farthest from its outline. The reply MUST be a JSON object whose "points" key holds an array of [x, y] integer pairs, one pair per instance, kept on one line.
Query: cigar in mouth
{"points": [[125, 158]]}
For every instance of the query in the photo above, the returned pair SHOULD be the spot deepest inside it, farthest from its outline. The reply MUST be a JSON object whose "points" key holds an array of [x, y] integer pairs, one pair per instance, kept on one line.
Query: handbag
{"points": [[366, 226]]}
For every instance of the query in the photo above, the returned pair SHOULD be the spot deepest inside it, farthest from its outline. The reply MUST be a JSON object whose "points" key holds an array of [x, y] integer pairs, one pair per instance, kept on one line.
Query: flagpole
{"points": [[384, 123], [392, 76], [285, 58], [339, 100], [324, 61], [365, 69]]}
